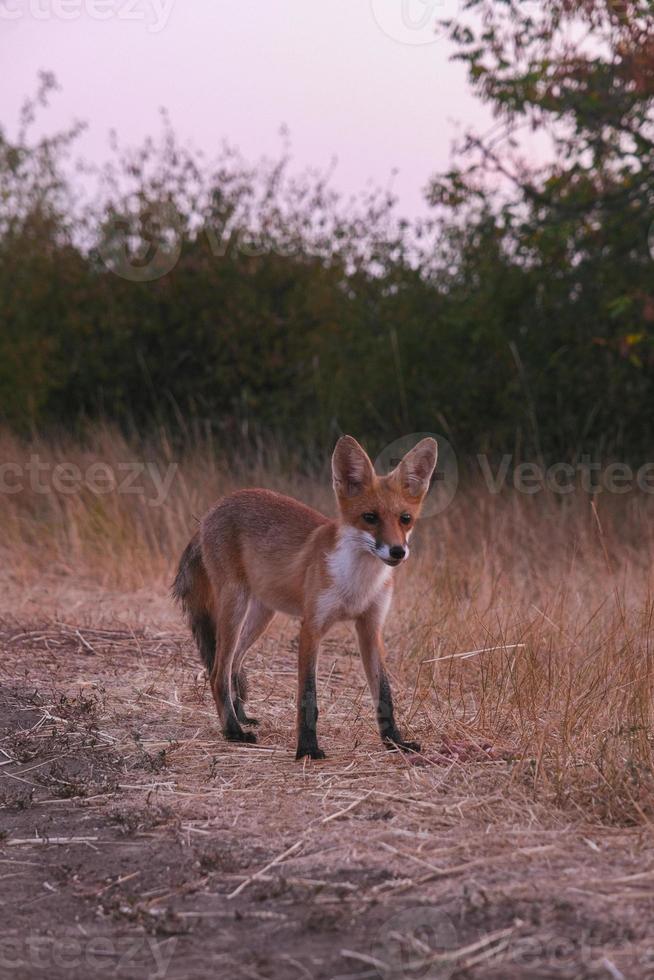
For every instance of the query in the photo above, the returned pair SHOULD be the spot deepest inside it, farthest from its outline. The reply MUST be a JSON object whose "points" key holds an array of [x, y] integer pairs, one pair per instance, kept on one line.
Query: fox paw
{"points": [[315, 753], [248, 737], [401, 744]]}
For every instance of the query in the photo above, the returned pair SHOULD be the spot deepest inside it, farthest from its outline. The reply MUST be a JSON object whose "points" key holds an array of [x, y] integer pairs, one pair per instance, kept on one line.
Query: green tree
{"points": [[581, 77]]}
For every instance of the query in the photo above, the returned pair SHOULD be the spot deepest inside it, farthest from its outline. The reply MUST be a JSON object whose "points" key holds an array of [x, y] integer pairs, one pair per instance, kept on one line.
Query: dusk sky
{"points": [[366, 80]]}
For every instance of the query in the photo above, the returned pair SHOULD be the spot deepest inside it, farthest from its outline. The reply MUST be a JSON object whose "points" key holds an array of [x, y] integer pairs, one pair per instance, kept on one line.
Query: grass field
{"points": [[136, 842]]}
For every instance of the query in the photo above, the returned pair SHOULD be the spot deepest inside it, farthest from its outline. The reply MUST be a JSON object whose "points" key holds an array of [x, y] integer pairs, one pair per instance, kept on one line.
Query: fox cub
{"points": [[258, 552]]}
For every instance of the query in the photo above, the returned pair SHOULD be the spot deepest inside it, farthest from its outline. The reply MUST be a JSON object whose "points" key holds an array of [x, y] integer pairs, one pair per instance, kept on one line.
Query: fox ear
{"points": [[415, 470], [352, 471]]}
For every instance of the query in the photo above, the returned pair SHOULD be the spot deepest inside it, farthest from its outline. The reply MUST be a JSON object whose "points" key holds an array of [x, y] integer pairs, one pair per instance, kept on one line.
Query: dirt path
{"points": [[135, 842]]}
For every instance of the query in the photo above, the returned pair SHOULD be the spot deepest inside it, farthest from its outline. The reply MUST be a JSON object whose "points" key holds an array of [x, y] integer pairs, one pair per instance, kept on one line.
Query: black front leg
{"points": [[371, 645], [386, 720], [307, 719]]}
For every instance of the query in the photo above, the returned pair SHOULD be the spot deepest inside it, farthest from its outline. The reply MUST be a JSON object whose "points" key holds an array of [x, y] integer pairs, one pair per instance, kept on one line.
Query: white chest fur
{"points": [[357, 577]]}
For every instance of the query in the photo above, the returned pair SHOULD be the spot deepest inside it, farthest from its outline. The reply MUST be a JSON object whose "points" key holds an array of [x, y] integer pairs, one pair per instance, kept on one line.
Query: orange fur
{"points": [[260, 552]]}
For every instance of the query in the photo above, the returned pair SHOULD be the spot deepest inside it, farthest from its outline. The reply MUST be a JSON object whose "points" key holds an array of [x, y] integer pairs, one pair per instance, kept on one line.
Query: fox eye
{"points": [[370, 518], [405, 518]]}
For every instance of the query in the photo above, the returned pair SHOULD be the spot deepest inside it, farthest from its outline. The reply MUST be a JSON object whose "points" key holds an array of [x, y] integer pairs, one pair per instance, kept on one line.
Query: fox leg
{"points": [[371, 645], [307, 701], [257, 621], [231, 608]]}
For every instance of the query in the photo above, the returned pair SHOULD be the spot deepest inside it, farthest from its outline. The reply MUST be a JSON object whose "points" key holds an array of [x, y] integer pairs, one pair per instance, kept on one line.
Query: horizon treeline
{"points": [[516, 317]]}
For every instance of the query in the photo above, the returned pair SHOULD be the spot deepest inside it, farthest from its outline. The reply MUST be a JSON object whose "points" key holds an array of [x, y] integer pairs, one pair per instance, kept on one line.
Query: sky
{"points": [[368, 81]]}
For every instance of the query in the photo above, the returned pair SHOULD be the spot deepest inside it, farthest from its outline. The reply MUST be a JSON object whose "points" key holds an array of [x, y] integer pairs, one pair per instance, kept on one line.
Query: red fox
{"points": [[258, 552]]}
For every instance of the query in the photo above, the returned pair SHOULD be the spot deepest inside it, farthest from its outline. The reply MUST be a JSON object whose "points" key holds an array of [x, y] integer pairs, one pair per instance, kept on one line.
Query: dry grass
{"points": [[126, 813], [522, 621], [110, 527]]}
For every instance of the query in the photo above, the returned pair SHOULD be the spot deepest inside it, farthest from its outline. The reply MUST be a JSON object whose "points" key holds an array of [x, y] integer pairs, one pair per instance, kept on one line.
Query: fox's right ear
{"points": [[352, 471]]}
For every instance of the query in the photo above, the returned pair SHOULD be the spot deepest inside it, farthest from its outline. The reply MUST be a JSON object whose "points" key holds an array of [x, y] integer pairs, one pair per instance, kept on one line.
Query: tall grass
{"points": [[525, 621], [119, 512], [558, 595]]}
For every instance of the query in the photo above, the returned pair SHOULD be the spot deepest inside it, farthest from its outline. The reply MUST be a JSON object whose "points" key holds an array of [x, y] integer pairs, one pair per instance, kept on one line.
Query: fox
{"points": [[257, 553]]}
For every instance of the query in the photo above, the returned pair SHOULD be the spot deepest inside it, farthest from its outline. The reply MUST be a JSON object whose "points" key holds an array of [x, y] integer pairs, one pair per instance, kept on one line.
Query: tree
{"points": [[580, 75]]}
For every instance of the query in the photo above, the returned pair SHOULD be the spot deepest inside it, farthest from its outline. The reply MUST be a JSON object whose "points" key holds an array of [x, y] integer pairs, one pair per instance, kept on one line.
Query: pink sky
{"points": [[365, 80]]}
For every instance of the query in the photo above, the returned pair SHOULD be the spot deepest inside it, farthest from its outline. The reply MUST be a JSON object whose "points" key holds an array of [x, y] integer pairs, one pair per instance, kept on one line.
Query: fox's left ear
{"points": [[415, 470]]}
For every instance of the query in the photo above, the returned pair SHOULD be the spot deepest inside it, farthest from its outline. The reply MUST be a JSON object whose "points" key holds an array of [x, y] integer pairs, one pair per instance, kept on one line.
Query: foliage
{"points": [[581, 76], [517, 317]]}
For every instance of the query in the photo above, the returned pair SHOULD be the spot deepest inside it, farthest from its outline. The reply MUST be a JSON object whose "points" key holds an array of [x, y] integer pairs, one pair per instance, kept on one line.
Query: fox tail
{"points": [[192, 590]]}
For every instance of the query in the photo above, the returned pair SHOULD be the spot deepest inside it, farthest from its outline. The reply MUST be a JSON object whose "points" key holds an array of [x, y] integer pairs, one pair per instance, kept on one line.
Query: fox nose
{"points": [[397, 552]]}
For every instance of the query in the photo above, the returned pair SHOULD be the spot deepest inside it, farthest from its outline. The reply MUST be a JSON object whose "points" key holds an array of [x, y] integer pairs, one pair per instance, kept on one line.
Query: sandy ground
{"points": [[134, 842]]}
